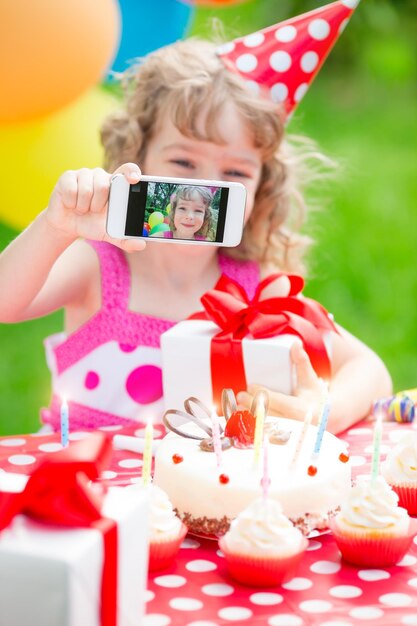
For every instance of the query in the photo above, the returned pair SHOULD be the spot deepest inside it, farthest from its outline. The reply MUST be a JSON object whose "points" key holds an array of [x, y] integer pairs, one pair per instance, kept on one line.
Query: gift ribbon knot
{"points": [[229, 307]]}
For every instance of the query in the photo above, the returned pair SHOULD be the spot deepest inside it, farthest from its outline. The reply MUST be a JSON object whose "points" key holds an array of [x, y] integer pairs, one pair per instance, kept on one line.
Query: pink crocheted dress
{"points": [[109, 370]]}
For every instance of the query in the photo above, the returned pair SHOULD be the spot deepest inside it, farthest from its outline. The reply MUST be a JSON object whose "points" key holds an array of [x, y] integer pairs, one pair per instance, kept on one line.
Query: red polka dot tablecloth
{"points": [[197, 591]]}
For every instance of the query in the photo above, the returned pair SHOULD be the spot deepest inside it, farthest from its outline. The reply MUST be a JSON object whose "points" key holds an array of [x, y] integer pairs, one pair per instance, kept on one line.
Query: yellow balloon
{"points": [[168, 209], [155, 218], [34, 154]]}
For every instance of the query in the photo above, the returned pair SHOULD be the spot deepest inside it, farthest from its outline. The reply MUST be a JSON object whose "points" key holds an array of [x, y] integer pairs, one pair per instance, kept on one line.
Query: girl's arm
{"points": [[45, 267], [359, 377]]}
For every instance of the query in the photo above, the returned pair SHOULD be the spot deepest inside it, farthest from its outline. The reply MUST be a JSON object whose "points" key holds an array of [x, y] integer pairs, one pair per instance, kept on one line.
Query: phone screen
{"points": [[173, 211]]}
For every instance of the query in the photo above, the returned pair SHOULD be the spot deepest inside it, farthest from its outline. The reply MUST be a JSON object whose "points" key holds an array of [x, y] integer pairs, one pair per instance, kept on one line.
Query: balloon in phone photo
{"points": [[52, 52], [155, 218], [159, 228]]}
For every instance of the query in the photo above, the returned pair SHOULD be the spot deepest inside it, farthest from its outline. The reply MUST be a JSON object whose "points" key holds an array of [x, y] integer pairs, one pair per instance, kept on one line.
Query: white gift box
{"points": [[186, 362], [51, 576]]}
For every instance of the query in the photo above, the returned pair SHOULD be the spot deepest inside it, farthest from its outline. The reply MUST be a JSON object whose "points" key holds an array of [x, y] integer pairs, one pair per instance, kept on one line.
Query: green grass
{"points": [[363, 267]]}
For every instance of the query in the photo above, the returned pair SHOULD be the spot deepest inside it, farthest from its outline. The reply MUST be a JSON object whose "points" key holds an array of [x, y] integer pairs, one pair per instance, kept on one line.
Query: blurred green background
{"points": [[362, 112]]}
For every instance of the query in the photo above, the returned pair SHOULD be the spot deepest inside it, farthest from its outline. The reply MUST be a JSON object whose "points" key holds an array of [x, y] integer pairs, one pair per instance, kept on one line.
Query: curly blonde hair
{"points": [[179, 80], [188, 192]]}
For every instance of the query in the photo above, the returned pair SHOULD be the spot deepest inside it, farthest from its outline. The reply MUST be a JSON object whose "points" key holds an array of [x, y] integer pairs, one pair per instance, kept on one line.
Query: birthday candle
{"points": [[147, 453], [265, 482], [217, 444], [64, 423], [259, 429], [376, 446], [323, 420], [302, 436]]}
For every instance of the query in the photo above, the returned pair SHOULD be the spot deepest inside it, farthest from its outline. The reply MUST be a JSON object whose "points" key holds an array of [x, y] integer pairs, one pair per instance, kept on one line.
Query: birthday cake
{"points": [[207, 495]]}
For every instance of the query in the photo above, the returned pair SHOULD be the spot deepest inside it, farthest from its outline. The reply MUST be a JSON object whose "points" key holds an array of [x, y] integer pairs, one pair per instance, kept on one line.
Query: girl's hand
{"points": [[79, 201], [307, 395]]}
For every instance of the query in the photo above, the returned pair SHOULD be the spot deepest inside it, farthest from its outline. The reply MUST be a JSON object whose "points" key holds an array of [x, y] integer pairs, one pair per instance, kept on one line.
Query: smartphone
{"points": [[179, 210]]}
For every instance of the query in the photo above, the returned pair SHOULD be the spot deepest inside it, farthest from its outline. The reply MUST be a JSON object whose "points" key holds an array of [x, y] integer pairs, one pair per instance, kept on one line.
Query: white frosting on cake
{"points": [[263, 529], [195, 491]]}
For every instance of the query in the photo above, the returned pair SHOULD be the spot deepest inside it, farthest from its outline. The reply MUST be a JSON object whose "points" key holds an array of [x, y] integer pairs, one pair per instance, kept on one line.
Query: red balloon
{"points": [[146, 227], [166, 220]]}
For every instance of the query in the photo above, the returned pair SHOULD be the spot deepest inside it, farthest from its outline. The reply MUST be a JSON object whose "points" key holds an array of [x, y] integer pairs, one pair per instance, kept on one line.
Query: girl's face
{"points": [[188, 217], [170, 153]]}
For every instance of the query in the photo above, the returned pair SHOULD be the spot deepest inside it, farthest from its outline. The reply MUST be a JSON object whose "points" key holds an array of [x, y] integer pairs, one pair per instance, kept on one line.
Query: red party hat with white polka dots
{"points": [[281, 61]]}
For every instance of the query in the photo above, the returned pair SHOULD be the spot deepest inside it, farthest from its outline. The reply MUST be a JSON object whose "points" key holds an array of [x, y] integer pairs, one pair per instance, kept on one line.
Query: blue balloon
{"points": [[145, 233], [147, 26]]}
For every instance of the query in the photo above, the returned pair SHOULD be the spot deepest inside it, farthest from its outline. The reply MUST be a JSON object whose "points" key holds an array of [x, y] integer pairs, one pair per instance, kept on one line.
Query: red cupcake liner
{"points": [[261, 571], [162, 553], [407, 497], [372, 551]]}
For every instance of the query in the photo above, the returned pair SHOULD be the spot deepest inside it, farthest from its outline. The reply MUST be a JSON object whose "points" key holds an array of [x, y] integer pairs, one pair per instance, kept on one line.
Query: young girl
{"points": [[191, 217], [185, 116]]}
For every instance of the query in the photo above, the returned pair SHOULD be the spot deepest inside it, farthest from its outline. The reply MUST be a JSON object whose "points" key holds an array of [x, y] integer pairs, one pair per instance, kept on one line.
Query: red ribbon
{"points": [[58, 492], [230, 308]]}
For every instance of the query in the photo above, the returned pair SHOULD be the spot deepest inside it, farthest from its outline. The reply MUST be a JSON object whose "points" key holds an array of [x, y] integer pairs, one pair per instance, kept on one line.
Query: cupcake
{"points": [[400, 471], [262, 547], [166, 531], [371, 530]]}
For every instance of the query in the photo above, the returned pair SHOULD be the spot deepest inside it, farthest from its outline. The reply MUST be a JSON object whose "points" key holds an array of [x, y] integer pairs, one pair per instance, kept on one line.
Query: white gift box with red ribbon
{"points": [[51, 576]]}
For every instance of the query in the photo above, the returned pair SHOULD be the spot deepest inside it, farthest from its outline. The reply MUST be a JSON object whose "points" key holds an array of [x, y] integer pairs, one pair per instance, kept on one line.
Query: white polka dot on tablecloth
{"points": [[21, 459], [235, 613], [264, 598], [395, 599], [350, 4], [314, 545], [156, 619], [383, 449], [360, 431], [246, 62], [395, 435], [407, 561], [111, 428], [191, 544], [409, 620], [108, 475], [357, 460], [286, 33], [50, 447], [285, 619], [202, 622], [372, 575], [13, 442], [253, 40], [325, 567], [186, 604], [319, 29], [136, 480], [412, 582], [220, 554], [201, 565], [366, 612], [130, 463], [78, 435], [149, 595], [279, 92], [219, 590], [170, 580], [280, 61], [298, 584], [309, 61], [345, 591], [336, 622], [300, 92], [315, 606]]}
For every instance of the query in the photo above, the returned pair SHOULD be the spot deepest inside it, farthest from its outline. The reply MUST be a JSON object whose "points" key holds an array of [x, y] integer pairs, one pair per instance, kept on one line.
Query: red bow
{"points": [[58, 492], [230, 308]]}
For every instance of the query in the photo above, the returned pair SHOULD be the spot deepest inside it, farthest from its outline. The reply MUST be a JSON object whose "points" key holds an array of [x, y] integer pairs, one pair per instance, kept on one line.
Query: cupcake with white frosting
{"points": [[371, 529], [166, 531], [400, 471], [262, 547]]}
